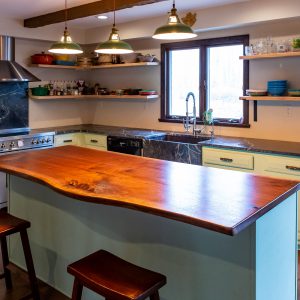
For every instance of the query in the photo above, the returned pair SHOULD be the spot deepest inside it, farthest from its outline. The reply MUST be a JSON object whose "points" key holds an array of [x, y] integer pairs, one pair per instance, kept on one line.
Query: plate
{"points": [[256, 92]]}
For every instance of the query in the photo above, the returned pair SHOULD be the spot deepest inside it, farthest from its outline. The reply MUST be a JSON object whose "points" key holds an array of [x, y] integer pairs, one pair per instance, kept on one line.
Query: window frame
{"points": [[202, 45]]}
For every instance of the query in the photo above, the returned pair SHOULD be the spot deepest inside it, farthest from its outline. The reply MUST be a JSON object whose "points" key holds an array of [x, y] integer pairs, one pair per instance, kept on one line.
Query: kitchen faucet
{"points": [[188, 119]]}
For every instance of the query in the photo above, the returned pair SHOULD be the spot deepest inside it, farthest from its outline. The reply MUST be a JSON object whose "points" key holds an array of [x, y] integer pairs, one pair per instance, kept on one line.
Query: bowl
{"points": [[294, 92], [39, 91], [147, 92], [276, 91], [256, 92], [64, 62], [129, 58], [146, 58]]}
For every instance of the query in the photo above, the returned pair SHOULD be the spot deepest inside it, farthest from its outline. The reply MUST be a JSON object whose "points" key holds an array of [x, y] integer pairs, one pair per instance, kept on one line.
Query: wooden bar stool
{"points": [[10, 225], [114, 278]]}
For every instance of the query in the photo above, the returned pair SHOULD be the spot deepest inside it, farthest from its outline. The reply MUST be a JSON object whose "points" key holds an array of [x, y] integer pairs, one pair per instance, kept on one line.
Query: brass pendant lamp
{"points": [[174, 29], [65, 45], [114, 45]]}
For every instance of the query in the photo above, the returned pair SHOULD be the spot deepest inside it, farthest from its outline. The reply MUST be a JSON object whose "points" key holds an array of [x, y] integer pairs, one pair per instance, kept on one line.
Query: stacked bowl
{"points": [[277, 87]]}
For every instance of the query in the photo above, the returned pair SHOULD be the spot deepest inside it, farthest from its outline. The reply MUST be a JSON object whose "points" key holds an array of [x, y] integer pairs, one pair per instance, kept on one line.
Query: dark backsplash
{"points": [[13, 105]]}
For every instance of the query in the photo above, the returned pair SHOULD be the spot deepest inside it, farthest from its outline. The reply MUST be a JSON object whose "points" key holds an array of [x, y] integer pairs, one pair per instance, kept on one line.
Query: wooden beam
{"points": [[82, 11]]}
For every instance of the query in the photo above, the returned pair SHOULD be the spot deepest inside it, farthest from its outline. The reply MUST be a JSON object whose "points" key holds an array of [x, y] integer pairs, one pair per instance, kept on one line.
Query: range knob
{"points": [[43, 141], [12, 144], [2, 145], [33, 142], [48, 140]]}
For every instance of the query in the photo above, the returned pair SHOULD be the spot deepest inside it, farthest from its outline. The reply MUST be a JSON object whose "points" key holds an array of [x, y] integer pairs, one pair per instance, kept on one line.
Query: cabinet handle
{"points": [[94, 141], [293, 168], [68, 141], [226, 159]]}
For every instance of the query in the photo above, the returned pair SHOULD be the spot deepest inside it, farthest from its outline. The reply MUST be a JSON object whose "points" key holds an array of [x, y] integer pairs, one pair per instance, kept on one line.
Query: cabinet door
{"points": [[95, 141], [278, 166], [227, 159], [67, 139]]}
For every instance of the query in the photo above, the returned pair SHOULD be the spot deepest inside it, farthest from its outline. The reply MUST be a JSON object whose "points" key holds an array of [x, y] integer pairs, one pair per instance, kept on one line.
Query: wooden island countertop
{"points": [[220, 200]]}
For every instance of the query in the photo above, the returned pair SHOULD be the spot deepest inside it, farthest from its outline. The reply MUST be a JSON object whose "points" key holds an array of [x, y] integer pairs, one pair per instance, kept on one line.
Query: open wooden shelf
{"points": [[266, 98], [130, 97], [270, 98], [271, 55], [108, 66]]}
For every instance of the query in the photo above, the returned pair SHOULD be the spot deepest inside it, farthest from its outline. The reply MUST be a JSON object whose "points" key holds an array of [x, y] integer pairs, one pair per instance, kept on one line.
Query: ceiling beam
{"points": [[85, 10]]}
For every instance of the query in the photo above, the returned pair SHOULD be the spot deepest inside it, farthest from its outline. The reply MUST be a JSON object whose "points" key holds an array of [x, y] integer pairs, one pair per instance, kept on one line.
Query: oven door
{"points": [[125, 145], [4, 179]]}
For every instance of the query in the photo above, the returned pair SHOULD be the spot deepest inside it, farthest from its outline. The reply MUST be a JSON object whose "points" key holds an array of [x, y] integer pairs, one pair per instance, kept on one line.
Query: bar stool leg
{"points": [[77, 290], [30, 266], [155, 296], [7, 275]]}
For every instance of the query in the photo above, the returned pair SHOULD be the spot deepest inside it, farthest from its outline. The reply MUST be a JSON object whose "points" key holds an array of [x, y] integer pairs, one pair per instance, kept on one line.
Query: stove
{"points": [[25, 141], [21, 141]]}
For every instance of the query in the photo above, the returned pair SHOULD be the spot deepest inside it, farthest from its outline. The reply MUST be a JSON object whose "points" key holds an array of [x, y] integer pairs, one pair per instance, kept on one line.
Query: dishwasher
{"points": [[126, 145]]}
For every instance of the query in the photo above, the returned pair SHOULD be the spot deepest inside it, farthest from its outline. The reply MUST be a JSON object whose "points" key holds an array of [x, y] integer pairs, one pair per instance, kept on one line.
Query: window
{"points": [[212, 70]]}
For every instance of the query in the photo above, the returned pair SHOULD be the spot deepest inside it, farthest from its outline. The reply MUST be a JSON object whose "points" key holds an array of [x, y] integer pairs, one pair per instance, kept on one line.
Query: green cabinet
{"points": [[266, 164], [88, 140]]}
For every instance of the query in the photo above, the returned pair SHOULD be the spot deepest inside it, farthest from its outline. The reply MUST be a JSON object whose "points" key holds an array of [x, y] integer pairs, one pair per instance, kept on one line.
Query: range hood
{"points": [[10, 71]]}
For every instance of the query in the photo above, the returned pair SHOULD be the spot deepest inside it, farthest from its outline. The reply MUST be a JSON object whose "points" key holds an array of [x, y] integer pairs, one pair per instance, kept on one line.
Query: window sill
{"points": [[223, 124]]}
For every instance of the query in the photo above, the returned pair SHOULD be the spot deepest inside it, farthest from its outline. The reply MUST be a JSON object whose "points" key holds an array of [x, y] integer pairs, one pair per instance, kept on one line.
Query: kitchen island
{"points": [[215, 234]]}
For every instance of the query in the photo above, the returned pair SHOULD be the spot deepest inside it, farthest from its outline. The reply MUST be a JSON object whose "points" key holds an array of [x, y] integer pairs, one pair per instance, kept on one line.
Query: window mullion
{"points": [[203, 80]]}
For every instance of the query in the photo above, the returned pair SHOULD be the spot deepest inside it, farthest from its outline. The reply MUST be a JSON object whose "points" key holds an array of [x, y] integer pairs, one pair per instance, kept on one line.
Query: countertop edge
{"points": [[231, 231]]}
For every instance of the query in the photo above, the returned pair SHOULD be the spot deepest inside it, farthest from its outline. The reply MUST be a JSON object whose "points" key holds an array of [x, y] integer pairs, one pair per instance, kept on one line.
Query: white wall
{"points": [[278, 121]]}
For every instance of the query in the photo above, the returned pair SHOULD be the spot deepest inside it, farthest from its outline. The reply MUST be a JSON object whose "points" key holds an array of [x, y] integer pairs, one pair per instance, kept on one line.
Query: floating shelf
{"points": [[267, 98], [271, 55], [270, 98], [133, 97], [108, 66]]}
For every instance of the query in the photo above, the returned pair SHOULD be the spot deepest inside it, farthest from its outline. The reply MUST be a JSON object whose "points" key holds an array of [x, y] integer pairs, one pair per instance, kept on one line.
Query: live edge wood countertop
{"points": [[220, 200]]}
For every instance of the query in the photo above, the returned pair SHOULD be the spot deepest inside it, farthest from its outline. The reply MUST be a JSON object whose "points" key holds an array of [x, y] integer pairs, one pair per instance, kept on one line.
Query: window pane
{"points": [[225, 81], [184, 78]]}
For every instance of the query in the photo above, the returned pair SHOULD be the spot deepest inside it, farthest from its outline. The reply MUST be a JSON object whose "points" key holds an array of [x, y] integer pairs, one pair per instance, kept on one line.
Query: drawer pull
{"points": [[226, 159], [293, 168], [94, 141], [68, 141]]}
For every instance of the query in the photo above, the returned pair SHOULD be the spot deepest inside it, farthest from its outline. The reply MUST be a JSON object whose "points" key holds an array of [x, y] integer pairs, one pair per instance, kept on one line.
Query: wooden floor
{"points": [[20, 287]]}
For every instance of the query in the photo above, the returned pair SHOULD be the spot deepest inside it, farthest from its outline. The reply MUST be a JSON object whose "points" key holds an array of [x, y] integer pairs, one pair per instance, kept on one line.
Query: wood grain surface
{"points": [[221, 200]]}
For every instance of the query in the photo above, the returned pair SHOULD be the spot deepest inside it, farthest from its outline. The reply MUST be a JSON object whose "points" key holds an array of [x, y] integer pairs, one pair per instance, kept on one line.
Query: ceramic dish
{"points": [[294, 92], [64, 62], [147, 92], [256, 92]]}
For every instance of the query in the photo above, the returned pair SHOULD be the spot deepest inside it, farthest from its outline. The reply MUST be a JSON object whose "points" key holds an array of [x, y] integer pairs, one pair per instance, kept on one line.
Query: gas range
{"points": [[26, 141]]}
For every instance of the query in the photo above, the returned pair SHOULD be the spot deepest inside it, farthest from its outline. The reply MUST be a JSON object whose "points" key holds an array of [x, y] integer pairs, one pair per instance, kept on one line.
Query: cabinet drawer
{"points": [[228, 158], [66, 139], [281, 165], [95, 140]]}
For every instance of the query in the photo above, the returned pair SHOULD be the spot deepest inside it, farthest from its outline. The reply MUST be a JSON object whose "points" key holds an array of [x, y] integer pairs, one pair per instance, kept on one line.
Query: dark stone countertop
{"points": [[103, 129], [255, 145], [231, 143]]}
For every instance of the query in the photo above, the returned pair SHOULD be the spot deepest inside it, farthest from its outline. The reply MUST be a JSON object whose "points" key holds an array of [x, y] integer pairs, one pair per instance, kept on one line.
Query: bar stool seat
{"points": [[114, 278], [10, 225]]}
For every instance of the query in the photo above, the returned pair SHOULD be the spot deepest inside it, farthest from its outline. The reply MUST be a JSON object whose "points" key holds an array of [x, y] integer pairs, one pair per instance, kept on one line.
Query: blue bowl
{"points": [[277, 81], [276, 91]]}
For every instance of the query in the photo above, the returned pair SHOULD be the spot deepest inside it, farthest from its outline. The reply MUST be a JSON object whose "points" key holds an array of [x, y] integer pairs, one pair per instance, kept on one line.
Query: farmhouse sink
{"points": [[182, 138]]}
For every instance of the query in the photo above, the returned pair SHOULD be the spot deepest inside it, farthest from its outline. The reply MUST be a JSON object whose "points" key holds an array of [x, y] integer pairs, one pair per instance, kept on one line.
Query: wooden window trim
{"points": [[203, 45]]}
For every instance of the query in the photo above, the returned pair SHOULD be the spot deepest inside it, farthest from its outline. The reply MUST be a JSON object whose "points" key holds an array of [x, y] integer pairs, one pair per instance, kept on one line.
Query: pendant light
{"points": [[65, 45], [174, 30], [114, 45]]}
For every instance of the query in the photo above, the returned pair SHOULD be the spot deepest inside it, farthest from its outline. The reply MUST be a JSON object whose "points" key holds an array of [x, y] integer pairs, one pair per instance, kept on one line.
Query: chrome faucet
{"points": [[188, 119]]}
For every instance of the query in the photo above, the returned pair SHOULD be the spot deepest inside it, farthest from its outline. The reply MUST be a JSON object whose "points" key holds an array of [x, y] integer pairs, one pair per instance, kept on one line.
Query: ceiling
{"points": [[17, 10]]}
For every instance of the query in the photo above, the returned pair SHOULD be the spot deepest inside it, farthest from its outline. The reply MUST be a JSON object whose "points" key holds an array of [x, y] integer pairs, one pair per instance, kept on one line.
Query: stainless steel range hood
{"points": [[10, 71]]}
